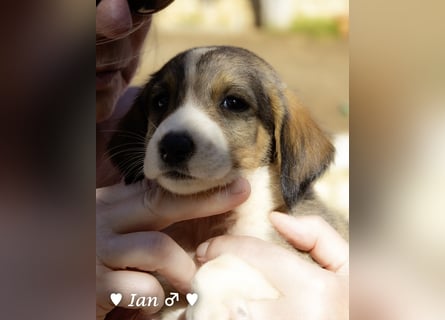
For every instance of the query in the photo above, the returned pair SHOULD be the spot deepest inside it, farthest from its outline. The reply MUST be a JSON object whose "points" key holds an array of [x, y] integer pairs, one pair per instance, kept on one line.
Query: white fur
{"points": [[224, 285], [210, 164], [191, 61], [252, 216]]}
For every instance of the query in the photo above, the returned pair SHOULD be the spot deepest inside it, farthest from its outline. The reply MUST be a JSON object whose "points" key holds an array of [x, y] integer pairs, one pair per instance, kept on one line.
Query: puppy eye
{"points": [[234, 104], [161, 101]]}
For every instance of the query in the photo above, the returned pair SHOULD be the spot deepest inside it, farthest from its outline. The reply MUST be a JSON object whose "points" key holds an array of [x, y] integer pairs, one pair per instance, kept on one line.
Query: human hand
{"points": [[129, 243], [308, 291]]}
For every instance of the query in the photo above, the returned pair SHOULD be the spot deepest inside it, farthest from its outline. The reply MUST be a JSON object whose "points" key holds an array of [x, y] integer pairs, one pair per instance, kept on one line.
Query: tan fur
{"points": [[280, 159], [308, 143]]}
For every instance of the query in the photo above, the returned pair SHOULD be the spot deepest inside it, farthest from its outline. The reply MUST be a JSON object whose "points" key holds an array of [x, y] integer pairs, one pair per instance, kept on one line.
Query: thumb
{"points": [[127, 284], [314, 235]]}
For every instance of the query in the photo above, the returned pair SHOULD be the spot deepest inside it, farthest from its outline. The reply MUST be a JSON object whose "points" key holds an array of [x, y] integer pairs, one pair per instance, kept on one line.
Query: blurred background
{"points": [[397, 80], [306, 41]]}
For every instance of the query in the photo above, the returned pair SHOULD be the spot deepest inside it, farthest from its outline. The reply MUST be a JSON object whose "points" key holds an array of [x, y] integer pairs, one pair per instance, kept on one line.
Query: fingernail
{"points": [[239, 186], [279, 215], [279, 218], [201, 251]]}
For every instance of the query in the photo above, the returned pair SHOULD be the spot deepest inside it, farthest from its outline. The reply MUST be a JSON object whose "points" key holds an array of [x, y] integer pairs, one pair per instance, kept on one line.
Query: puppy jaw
{"points": [[209, 166]]}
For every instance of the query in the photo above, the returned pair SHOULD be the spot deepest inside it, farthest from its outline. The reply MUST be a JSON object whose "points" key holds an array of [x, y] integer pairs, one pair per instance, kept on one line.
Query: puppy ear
{"points": [[127, 146], [304, 151]]}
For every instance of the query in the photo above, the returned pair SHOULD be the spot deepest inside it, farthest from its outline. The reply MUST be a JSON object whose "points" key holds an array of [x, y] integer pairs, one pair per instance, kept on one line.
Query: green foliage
{"points": [[317, 27]]}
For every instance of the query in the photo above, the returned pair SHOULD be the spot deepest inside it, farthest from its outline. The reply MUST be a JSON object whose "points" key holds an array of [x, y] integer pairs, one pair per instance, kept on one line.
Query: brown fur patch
{"points": [[304, 151]]}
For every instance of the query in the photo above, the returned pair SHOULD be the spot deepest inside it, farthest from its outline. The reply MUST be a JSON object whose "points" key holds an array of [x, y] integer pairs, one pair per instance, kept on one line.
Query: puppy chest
{"points": [[252, 217]]}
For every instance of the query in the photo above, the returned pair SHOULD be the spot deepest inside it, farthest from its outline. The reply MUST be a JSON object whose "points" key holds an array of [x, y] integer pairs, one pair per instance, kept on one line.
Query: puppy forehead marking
{"points": [[191, 62], [189, 118]]}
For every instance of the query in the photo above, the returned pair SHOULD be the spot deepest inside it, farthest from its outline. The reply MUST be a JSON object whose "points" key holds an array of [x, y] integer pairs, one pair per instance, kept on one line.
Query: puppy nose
{"points": [[176, 147]]}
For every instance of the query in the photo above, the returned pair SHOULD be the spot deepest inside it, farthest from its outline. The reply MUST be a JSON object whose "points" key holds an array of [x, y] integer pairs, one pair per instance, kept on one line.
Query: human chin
{"points": [[107, 97], [105, 104]]}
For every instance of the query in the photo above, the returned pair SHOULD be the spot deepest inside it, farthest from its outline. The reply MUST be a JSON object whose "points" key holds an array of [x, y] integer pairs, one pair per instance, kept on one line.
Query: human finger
{"points": [[157, 209], [315, 236], [262, 255], [263, 309], [150, 251], [119, 191], [129, 284]]}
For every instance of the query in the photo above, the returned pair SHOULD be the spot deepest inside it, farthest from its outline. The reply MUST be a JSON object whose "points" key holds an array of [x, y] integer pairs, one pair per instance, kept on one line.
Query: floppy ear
{"points": [[304, 151], [127, 146]]}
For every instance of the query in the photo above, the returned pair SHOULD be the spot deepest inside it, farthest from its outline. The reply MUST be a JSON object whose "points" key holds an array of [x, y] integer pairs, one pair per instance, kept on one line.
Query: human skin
{"points": [[129, 243], [310, 291]]}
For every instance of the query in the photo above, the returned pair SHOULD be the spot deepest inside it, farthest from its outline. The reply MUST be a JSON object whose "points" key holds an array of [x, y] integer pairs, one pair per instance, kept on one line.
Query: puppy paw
{"points": [[224, 285]]}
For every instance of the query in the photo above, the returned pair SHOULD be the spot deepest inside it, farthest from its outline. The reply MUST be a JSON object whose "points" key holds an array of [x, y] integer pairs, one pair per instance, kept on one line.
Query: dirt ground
{"points": [[317, 69]]}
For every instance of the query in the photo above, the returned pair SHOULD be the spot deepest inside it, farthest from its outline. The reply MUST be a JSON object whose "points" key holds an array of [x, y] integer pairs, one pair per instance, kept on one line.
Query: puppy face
{"points": [[208, 123], [211, 113]]}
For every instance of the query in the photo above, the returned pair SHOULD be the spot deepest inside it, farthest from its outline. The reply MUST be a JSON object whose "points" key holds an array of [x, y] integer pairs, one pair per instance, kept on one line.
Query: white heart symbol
{"points": [[116, 298], [191, 298]]}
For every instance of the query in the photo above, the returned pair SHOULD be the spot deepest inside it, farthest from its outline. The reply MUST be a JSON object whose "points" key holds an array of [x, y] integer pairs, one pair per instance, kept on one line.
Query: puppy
{"points": [[208, 116]]}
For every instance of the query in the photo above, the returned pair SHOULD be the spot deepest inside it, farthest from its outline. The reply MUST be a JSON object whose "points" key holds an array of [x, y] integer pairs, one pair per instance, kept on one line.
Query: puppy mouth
{"points": [[176, 175], [179, 181]]}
